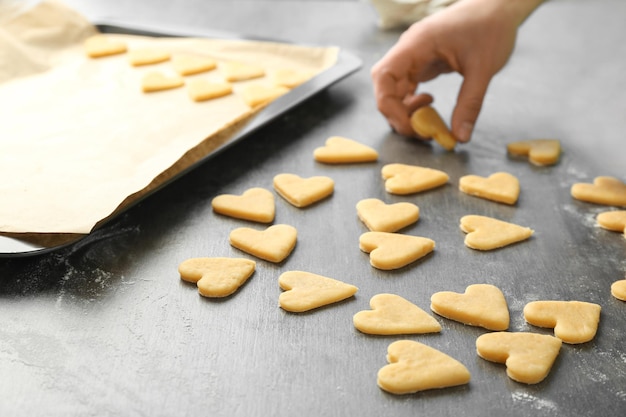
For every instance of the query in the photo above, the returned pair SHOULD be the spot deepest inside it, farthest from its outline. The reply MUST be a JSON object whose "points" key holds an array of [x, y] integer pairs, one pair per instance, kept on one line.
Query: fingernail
{"points": [[465, 132]]}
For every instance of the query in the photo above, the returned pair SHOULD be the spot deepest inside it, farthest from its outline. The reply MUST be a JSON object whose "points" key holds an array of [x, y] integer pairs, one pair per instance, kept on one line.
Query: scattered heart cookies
{"points": [[259, 94], [415, 367], [573, 321], [216, 277], [539, 151], [273, 244], [607, 191], [99, 46], [613, 220], [239, 71], [156, 81], [255, 204], [203, 90], [306, 291], [193, 64], [481, 305], [392, 315], [147, 56], [501, 187], [381, 217], [302, 192], [427, 123], [618, 289], [393, 251], [486, 233], [405, 179], [528, 356], [340, 150]]}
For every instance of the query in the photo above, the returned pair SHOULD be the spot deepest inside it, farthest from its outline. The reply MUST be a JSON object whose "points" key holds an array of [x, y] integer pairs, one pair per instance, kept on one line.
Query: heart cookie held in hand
{"points": [[607, 191], [415, 367], [501, 187], [402, 179], [340, 150], [392, 251], [306, 291], [381, 217], [481, 305], [427, 123], [392, 314], [486, 233], [539, 151], [528, 356], [273, 244], [573, 321], [302, 192], [255, 204], [216, 277]]}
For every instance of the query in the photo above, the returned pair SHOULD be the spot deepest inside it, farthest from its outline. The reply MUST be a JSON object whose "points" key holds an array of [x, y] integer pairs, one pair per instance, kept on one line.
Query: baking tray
{"points": [[17, 245]]}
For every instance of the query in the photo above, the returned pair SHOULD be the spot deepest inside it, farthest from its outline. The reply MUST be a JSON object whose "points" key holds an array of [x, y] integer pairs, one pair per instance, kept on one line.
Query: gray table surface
{"points": [[106, 327]]}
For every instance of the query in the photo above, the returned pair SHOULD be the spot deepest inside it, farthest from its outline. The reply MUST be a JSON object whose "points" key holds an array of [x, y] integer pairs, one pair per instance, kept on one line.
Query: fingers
{"points": [[468, 105]]}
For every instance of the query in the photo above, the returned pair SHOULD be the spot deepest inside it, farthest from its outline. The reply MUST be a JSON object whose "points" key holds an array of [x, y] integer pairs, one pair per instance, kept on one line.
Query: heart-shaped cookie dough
{"points": [[291, 78], [573, 321], [528, 356], [305, 291], [260, 94], [240, 71], [427, 123], [273, 244], [607, 191], [147, 56], [415, 367], [302, 192], [340, 150], [539, 151], [405, 179], [192, 64], [216, 277], [392, 314], [486, 233], [201, 89], [156, 81], [618, 289], [481, 305], [613, 220], [501, 187], [98, 46], [392, 251], [255, 204], [381, 217]]}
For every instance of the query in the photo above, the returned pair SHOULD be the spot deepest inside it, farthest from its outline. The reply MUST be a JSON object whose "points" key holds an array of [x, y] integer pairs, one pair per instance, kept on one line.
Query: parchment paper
{"points": [[80, 140]]}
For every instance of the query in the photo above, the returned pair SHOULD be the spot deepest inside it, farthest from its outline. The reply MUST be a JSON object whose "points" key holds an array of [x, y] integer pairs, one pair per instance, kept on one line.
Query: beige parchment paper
{"points": [[79, 140]]}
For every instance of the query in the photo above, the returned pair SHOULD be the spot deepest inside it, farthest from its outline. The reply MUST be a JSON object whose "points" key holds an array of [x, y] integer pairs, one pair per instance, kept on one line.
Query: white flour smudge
{"points": [[534, 402]]}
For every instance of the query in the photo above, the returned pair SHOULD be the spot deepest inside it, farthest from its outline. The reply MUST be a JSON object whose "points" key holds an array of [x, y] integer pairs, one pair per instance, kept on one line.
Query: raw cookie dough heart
{"points": [[618, 289], [392, 251], [481, 305], [613, 220], [98, 46], [302, 192], [255, 204], [486, 233], [139, 57], [305, 291], [340, 150], [501, 187], [259, 94], [415, 367], [608, 191], [273, 244], [539, 151], [408, 179], [156, 81], [192, 64], [573, 321], [427, 123], [290, 78], [392, 314], [528, 356], [216, 277], [202, 90], [239, 71], [381, 217]]}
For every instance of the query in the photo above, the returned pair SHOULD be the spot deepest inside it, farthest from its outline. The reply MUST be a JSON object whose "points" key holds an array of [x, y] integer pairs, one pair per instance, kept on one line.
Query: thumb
{"points": [[468, 105]]}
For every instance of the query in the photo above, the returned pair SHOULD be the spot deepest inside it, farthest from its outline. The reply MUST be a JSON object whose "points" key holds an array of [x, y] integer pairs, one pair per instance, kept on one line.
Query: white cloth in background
{"points": [[402, 13]]}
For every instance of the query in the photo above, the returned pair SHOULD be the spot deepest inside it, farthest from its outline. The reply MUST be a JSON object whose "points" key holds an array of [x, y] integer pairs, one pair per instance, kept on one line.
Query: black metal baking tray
{"points": [[17, 245]]}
